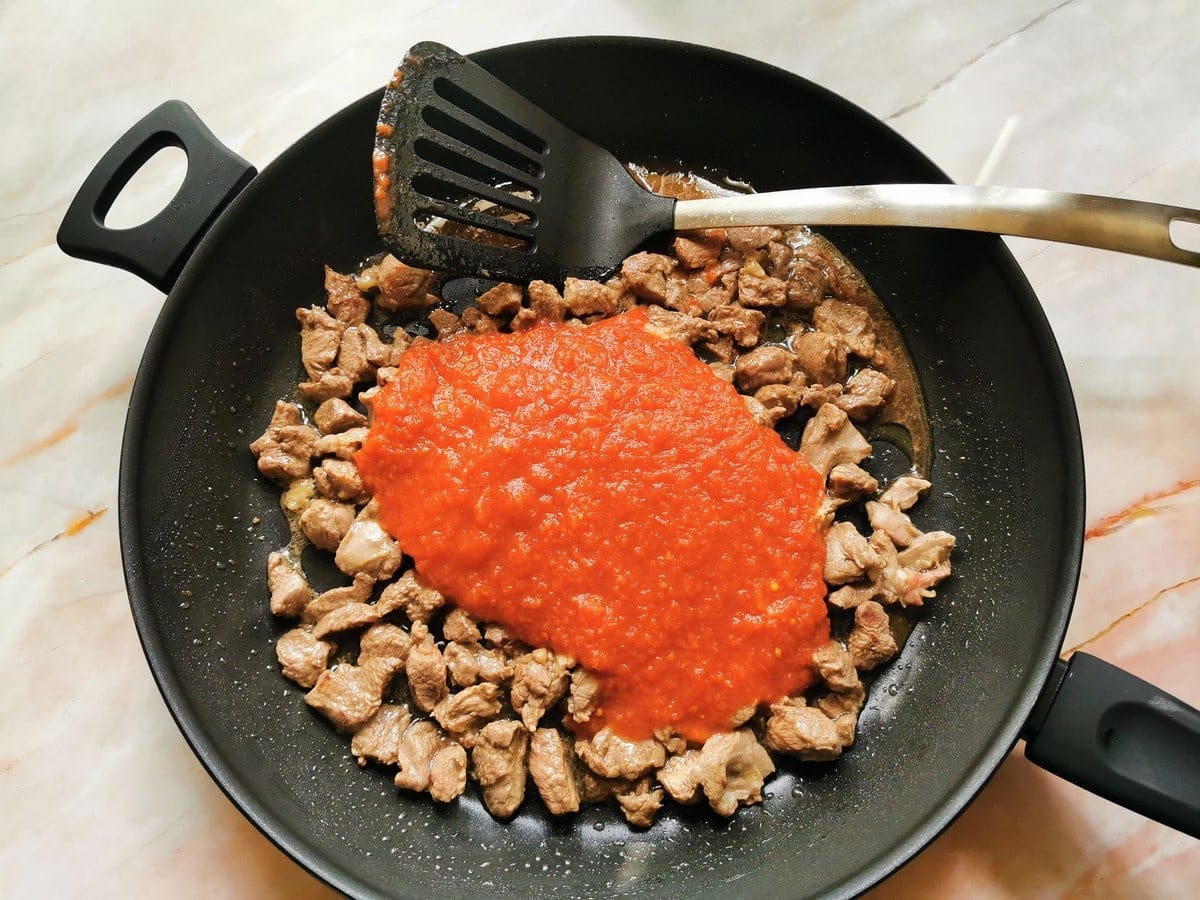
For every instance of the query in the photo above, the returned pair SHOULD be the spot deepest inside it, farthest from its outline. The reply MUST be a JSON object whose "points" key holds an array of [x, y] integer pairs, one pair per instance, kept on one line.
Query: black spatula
{"points": [[472, 178]]}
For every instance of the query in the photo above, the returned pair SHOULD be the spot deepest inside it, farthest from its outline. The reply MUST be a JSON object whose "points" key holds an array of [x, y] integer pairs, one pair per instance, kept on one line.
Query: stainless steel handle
{"points": [[1129, 226]]}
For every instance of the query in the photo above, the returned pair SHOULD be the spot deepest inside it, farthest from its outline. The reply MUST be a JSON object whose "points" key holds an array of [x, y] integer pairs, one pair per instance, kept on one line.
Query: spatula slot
{"points": [[455, 195], [461, 131], [456, 223], [472, 175], [452, 93]]}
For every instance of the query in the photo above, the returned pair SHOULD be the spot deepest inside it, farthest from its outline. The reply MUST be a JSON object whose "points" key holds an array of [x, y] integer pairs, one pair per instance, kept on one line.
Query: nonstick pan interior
{"points": [[1007, 476]]}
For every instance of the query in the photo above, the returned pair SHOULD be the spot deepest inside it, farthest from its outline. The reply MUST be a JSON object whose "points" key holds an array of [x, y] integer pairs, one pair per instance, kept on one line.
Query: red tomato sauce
{"points": [[599, 491]]}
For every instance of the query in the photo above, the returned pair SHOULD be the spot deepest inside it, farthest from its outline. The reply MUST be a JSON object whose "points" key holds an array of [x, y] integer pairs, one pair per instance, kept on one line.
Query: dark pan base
{"points": [[1007, 475]]}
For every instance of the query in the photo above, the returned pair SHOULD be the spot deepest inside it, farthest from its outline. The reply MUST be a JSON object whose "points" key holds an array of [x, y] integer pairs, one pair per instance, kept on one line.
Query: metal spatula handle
{"points": [[1109, 223]]}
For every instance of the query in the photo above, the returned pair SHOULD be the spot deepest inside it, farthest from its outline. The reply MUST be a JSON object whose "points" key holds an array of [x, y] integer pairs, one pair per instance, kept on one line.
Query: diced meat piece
{"points": [[722, 370], [752, 237], [594, 789], [844, 703], [681, 776], [327, 385], [338, 479], [835, 665], [803, 731], [696, 254], [865, 394], [470, 663], [745, 326], [895, 524], [361, 352], [903, 493], [821, 357], [302, 656], [498, 762], [584, 694], [848, 555], [871, 641], [379, 739], [343, 445], [645, 274], [523, 319], [367, 548], [407, 593], [928, 551], [851, 324], [851, 596], [760, 291], [345, 300], [677, 326], [418, 744], [551, 770], [734, 766], [817, 395], [498, 636], [349, 695], [764, 365], [829, 439], [611, 756], [286, 414], [335, 598], [284, 451], [479, 322], [779, 255], [337, 415], [540, 680], [426, 670], [385, 641], [325, 523], [780, 400], [464, 713], [741, 716], [585, 297], [289, 591], [445, 323], [459, 625], [502, 300], [546, 302], [346, 618], [320, 338], [806, 286], [909, 586], [759, 413], [448, 773], [850, 482], [402, 287], [640, 806], [722, 351]]}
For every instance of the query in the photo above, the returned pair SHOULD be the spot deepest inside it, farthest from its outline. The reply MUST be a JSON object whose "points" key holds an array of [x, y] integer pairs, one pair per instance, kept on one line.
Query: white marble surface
{"points": [[99, 794]]}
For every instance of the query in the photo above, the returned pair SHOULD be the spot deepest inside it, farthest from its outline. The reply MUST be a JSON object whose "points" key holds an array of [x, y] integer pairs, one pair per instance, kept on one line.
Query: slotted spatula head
{"points": [[472, 178]]}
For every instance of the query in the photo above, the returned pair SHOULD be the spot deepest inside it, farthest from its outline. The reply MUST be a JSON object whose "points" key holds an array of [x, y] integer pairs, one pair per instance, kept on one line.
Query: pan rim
{"points": [[243, 795]]}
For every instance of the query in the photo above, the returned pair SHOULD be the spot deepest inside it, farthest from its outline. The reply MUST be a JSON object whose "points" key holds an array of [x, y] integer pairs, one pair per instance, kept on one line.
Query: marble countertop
{"points": [[100, 794]]}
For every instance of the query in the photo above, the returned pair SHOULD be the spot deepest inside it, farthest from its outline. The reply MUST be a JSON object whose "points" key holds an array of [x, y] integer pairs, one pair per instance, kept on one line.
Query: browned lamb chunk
{"points": [[928, 552], [445, 323], [402, 287], [320, 338], [469, 664], [426, 670], [721, 350], [540, 680], [611, 756], [346, 618], [677, 326], [696, 254], [379, 739], [385, 641], [407, 593], [524, 319], [806, 284], [585, 297], [337, 415], [851, 596], [722, 370], [779, 255], [498, 636], [479, 322], [848, 555], [646, 275], [584, 694], [459, 625], [551, 770], [909, 577], [448, 773], [849, 482], [829, 439], [895, 524], [289, 591], [752, 237], [835, 664], [594, 789], [681, 776], [871, 641], [780, 400], [817, 395], [335, 598], [865, 394], [758, 290], [640, 805], [302, 656], [349, 695], [418, 744], [764, 365], [327, 385], [343, 445], [848, 323], [464, 713], [546, 302], [904, 492], [804, 731], [338, 479], [345, 300], [733, 768], [758, 412], [745, 326], [820, 356], [286, 448], [498, 761], [325, 523], [502, 300], [367, 548], [361, 353]]}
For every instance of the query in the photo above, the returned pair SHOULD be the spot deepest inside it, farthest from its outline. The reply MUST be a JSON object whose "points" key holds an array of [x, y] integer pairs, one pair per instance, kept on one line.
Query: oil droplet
{"points": [[598, 826]]}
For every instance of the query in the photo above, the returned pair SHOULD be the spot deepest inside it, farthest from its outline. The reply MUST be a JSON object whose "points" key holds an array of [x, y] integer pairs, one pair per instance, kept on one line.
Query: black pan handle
{"points": [[1121, 738], [155, 250]]}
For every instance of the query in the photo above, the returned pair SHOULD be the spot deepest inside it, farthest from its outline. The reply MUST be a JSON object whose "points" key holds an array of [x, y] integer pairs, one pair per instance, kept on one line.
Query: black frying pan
{"points": [[981, 669]]}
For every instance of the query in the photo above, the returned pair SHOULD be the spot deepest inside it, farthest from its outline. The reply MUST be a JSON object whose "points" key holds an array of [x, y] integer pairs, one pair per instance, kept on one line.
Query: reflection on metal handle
{"points": [[1129, 226]]}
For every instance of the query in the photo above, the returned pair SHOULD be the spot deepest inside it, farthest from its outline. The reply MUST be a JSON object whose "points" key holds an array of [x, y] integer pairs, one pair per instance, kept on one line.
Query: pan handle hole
{"points": [[1185, 234], [149, 191]]}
